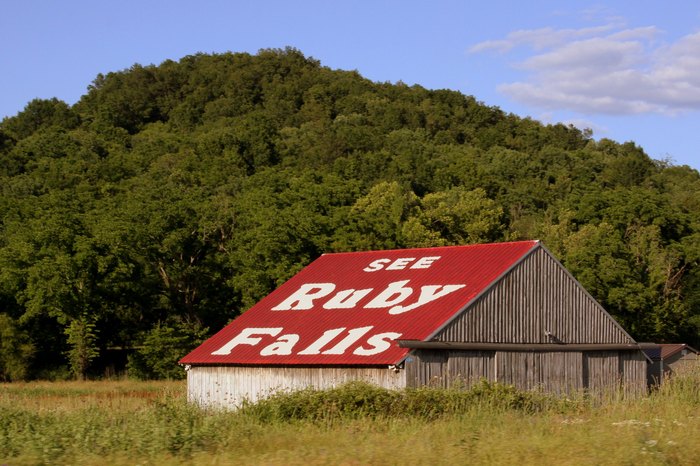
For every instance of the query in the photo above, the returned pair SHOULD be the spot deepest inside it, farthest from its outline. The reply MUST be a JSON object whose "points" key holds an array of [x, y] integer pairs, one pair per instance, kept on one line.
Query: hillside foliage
{"points": [[171, 198]]}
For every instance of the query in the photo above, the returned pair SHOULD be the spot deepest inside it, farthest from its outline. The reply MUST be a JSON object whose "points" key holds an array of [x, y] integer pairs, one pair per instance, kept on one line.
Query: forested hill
{"points": [[171, 198]]}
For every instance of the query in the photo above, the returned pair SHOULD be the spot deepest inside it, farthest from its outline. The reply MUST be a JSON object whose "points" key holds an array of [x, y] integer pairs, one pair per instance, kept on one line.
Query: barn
{"points": [[506, 312], [670, 358]]}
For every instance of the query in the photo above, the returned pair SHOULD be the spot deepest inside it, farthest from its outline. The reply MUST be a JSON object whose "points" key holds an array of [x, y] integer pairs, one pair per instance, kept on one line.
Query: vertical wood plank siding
{"points": [[569, 372], [427, 367], [227, 386], [536, 297], [554, 372], [472, 366], [633, 370]]}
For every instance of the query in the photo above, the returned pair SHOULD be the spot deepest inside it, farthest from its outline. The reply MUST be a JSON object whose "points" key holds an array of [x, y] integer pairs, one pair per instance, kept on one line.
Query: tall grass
{"points": [[150, 423]]}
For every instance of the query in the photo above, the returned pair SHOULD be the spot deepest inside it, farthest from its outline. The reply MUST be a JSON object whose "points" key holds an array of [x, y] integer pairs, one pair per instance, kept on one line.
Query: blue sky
{"points": [[628, 70]]}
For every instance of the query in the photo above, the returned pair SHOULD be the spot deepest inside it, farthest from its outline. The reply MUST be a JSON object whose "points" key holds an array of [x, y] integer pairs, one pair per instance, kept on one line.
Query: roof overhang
{"points": [[545, 347]]}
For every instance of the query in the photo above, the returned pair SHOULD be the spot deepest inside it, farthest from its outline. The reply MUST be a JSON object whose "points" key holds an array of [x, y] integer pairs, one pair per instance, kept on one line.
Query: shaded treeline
{"points": [[171, 198]]}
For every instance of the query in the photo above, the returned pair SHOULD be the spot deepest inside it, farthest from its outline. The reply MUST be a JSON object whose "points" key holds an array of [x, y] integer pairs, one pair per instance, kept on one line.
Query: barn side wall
{"points": [[227, 386], [678, 363], [536, 302], [565, 372]]}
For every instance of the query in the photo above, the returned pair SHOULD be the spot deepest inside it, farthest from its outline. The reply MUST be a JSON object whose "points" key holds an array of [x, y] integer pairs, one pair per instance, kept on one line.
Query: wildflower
{"points": [[573, 421], [632, 422]]}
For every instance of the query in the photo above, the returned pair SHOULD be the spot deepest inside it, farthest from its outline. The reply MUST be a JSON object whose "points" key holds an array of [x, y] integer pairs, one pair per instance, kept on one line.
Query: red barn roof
{"points": [[669, 349], [349, 308]]}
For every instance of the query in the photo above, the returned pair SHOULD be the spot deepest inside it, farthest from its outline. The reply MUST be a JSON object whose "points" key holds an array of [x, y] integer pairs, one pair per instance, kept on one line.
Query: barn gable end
{"points": [[536, 327], [537, 301]]}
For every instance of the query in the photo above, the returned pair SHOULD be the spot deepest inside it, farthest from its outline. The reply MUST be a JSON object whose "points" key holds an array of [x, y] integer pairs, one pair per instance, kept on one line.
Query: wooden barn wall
{"points": [[681, 360], [440, 368], [554, 372], [563, 372], [472, 366], [678, 363], [633, 370], [227, 386], [609, 372], [536, 297]]}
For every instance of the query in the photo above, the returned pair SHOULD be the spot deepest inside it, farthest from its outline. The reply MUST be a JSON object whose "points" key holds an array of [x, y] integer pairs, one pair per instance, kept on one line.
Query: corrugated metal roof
{"points": [[349, 308], [666, 350], [669, 349]]}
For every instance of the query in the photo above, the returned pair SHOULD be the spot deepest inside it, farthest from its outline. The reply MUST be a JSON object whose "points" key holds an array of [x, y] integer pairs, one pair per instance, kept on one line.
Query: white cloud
{"points": [[537, 38], [606, 69], [587, 55]]}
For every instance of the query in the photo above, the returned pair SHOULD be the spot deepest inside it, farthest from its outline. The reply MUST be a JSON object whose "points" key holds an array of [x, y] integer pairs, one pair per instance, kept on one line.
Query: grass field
{"points": [[129, 423]]}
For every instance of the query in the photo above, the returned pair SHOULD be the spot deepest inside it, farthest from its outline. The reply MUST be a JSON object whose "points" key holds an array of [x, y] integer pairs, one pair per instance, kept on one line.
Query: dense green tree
{"points": [[161, 348], [16, 350], [283, 222], [376, 220], [463, 217], [40, 113], [172, 197]]}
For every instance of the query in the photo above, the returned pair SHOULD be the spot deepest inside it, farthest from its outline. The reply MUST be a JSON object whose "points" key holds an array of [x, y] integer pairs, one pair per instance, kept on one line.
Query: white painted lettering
{"points": [[346, 299], [379, 343], [246, 338], [427, 294], [425, 262], [327, 337], [376, 265], [305, 296], [282, 346], [394, 294], [401, 263], [353, 335]]}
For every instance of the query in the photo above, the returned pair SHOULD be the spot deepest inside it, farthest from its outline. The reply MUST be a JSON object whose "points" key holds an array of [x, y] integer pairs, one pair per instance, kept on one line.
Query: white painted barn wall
{"points": [[227, 386]]}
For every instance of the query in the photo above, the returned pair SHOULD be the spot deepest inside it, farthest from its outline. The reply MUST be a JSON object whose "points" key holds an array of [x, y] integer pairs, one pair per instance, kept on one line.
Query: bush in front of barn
{"points": [[361, 400]]}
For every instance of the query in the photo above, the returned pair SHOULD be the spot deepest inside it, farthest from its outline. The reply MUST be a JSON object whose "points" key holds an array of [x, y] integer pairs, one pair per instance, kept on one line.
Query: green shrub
{"points": [[161, 348], [82, 338], [363, 400]]}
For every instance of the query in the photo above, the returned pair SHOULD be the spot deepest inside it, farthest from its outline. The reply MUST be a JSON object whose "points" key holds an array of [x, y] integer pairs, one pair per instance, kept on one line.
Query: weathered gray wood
{"points": [[536, 302], [565, 372]]}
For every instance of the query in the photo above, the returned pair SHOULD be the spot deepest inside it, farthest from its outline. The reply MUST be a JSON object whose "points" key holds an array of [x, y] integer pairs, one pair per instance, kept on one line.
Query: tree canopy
{"points": [[171, 198]]}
